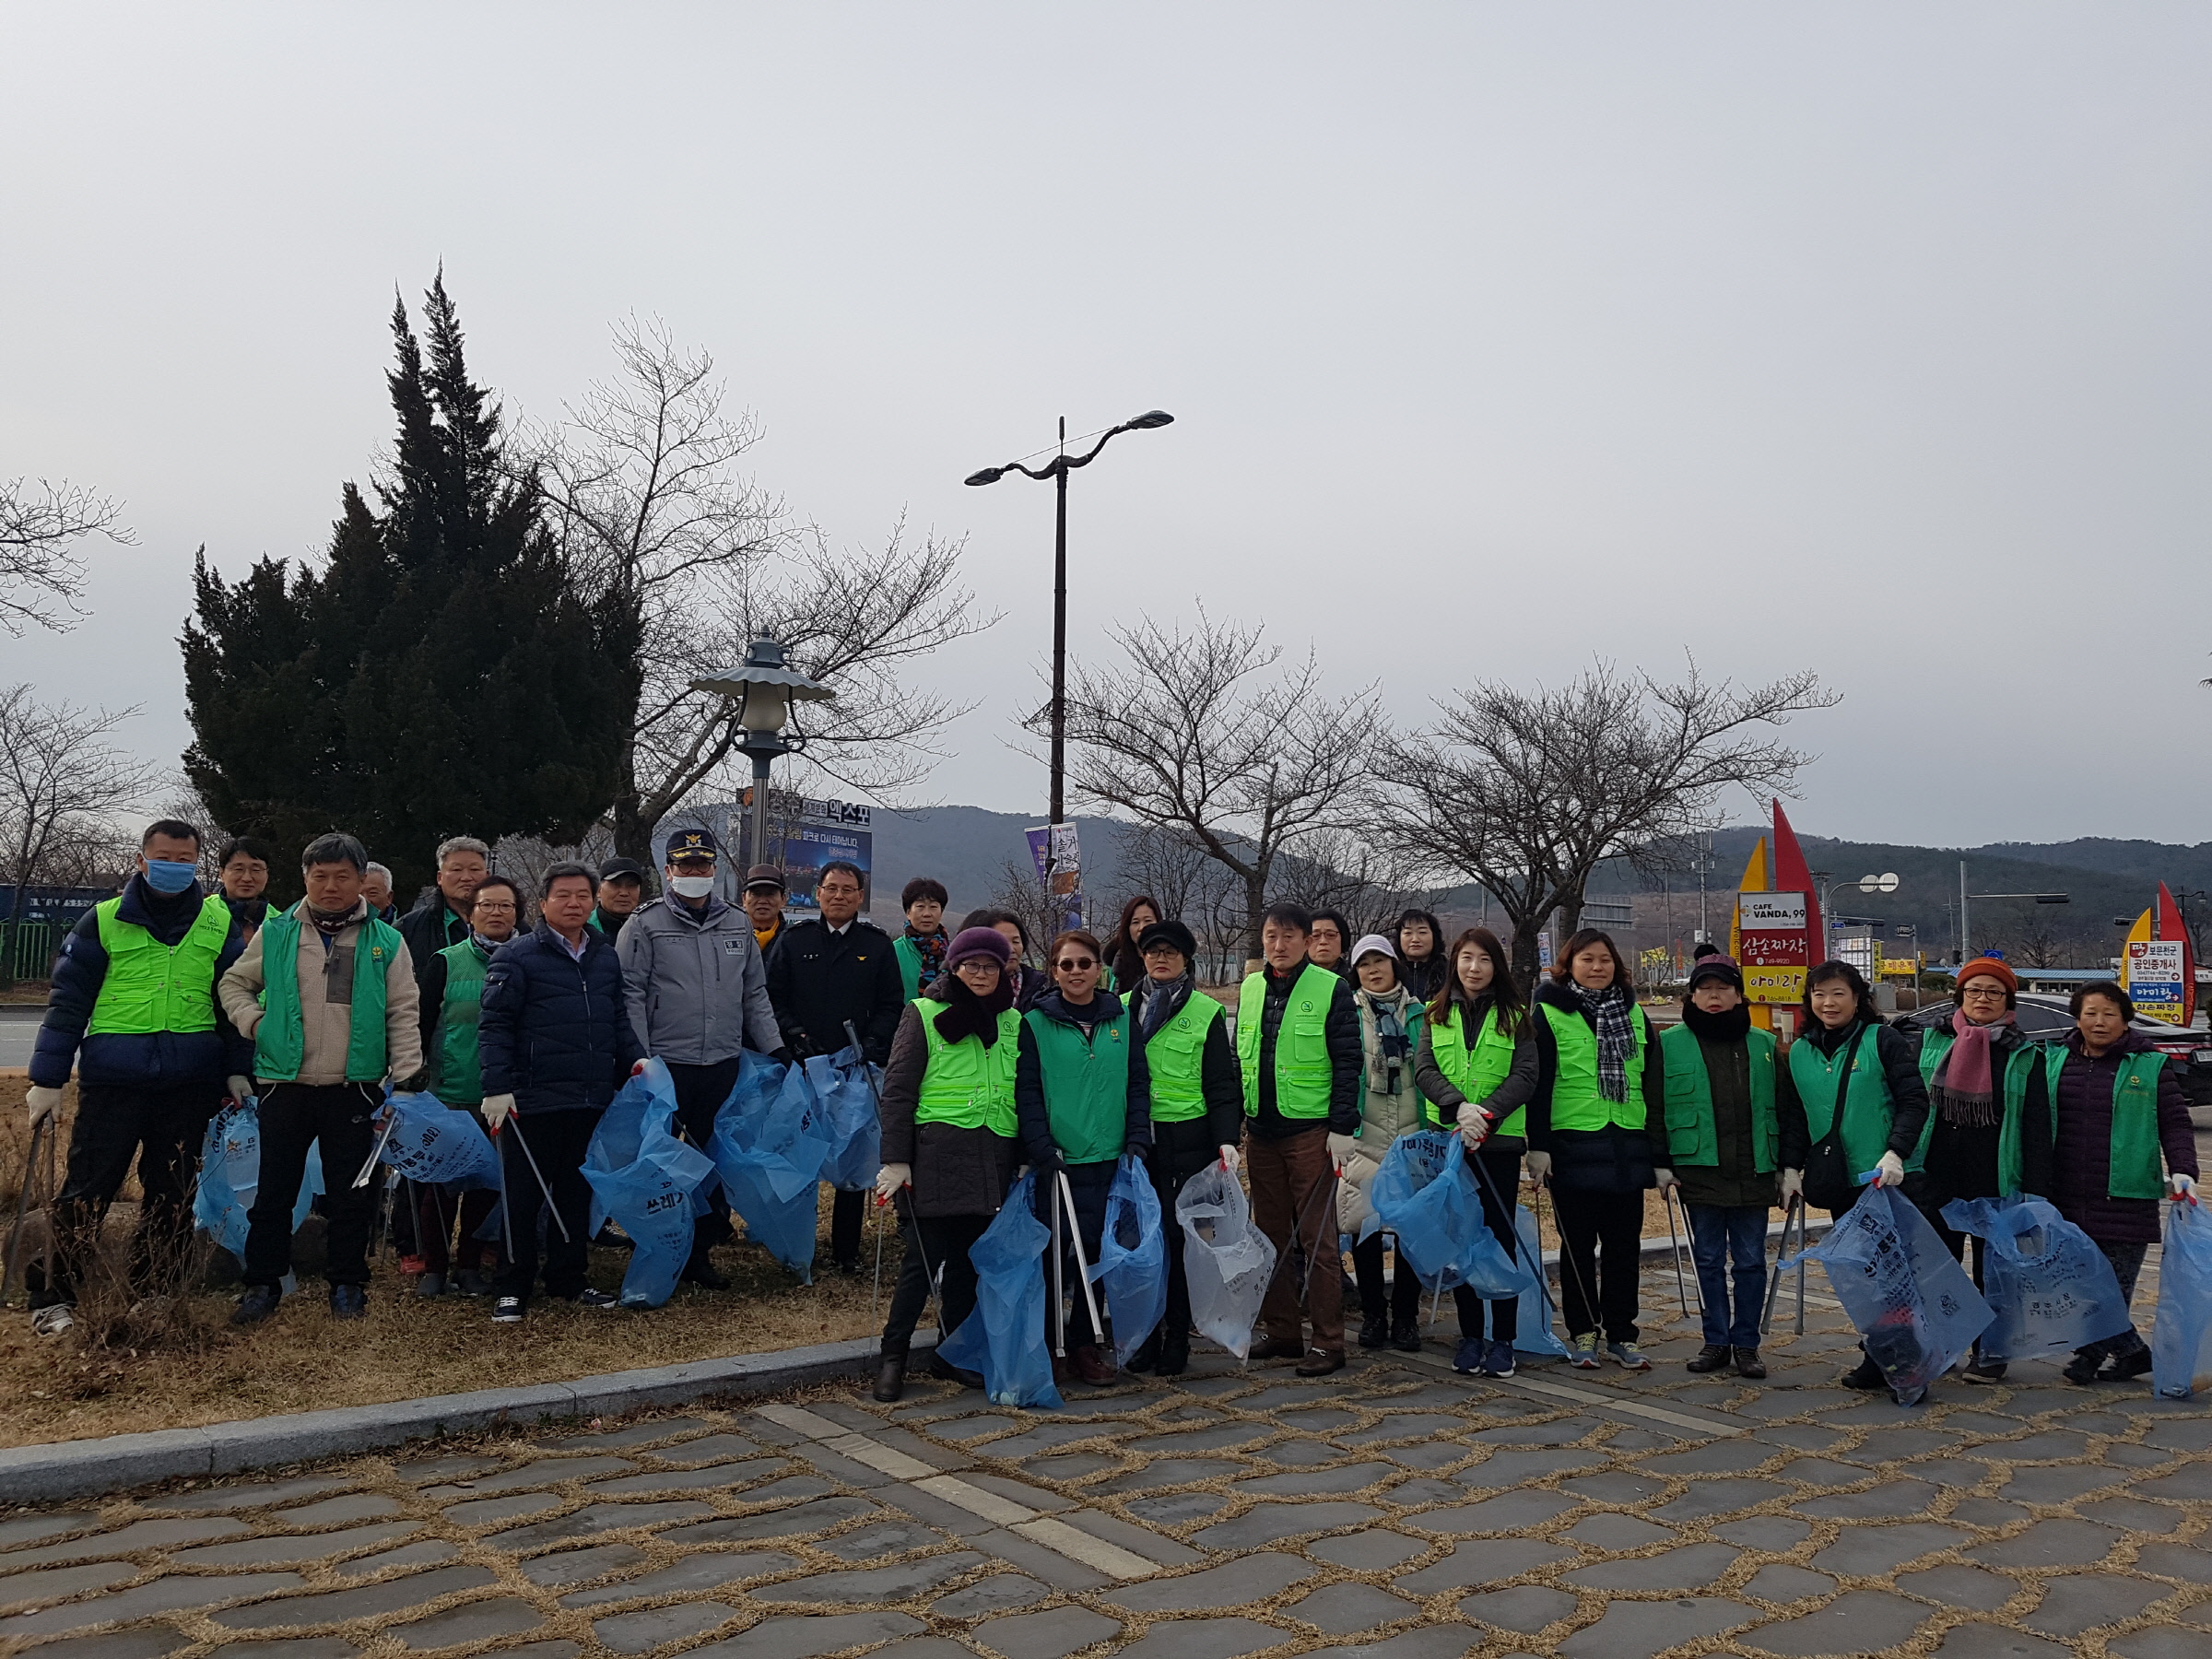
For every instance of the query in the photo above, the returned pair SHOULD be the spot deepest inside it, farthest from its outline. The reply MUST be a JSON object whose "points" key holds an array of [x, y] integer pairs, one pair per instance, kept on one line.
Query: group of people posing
{"points": [[168, 1000]]}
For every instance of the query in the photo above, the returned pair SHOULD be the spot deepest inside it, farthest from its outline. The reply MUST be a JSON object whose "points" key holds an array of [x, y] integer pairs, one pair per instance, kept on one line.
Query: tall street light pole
{"points": [[1058, 470]]}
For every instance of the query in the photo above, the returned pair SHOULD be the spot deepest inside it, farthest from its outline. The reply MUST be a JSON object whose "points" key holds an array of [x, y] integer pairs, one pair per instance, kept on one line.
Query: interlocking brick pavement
{"points": [[1390, 1512]]}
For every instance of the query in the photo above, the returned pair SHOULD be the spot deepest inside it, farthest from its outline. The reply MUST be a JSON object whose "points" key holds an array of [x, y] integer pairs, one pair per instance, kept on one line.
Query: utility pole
{"points": [[1963, 934]]}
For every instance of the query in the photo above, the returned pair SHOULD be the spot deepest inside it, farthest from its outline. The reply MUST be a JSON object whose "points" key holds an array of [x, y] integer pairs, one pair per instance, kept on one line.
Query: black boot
{"points": [[1146, 1355], [1174, 1354], [1750, 1365], [1374, 1330], [890, 1373], [1710, 1358], [1405, 1336], [1867, 1375]]}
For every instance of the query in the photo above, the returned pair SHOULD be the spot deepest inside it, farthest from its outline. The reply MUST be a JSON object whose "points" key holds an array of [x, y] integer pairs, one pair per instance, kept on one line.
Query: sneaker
{"points": [[1468, 1358], [258, 1303], [1374, 1330], [413, 1263], [349, 1301], [1498, 1359], [507, 1309], [473, 1281], [1713, 1357], [1405, 1336], [1630, 1355], [430, 1284], [1750, 1365], [53, 1321], [1582, 1352], [595, 1298], [2137, 1364], [1866, 1376]]}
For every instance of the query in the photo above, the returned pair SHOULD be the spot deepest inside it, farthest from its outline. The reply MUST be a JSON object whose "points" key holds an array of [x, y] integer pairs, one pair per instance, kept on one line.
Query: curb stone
{"points": [[116, 1463]]}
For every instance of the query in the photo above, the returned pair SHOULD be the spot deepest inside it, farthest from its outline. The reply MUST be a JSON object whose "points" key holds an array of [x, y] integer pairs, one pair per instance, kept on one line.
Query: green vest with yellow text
{"points": [[1576, 1104], [1476, 1072], [1303, 1073], [964, 1083], [1692, 1138], [1176, 1055], [280, 1043], [155, 987]]}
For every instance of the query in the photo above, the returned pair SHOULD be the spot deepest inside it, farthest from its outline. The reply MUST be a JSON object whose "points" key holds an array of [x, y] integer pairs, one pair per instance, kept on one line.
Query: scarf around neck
{"points": [[1383, 1039], [932, 945], [1160, 1003], [1609, 1011], [1965, 1088], [1733, 1026], [967, 1015]]}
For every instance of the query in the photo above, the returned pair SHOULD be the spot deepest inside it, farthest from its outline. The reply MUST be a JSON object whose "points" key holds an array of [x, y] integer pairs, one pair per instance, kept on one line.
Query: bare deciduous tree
{"points": [[1193, 734], [649, 504], [38, 526], [61, 783], [1527, 792]]}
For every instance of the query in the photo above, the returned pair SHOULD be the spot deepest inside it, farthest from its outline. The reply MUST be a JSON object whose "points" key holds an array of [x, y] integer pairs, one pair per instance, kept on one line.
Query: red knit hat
{"points": [[1994, 969]]}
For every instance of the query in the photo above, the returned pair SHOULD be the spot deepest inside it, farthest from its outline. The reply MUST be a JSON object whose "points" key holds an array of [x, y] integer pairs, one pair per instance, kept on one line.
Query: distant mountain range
{"points": [[968, 848]]}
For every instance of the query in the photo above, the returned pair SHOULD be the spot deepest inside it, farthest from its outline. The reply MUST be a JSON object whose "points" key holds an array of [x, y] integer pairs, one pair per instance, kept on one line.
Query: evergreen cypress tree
{"points": [[438, 674]]}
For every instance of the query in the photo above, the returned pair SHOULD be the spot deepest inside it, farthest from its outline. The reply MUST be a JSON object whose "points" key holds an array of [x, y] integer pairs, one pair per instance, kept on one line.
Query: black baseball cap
{"points": [[692, 843], [765, 875], [617, 869]]}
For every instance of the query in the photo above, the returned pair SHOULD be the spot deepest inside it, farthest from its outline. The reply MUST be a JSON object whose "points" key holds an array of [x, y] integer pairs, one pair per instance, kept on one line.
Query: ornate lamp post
{"points": [[764, 690]]}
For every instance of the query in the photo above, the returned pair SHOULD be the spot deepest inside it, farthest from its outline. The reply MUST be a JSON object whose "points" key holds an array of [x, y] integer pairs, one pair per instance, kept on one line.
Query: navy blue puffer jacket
{"points": [[152, 1060], [554, 1034]]}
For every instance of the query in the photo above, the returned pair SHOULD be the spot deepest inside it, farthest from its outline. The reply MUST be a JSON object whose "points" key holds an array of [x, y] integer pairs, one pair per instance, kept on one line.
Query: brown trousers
{"points": [[1290, 1185]]}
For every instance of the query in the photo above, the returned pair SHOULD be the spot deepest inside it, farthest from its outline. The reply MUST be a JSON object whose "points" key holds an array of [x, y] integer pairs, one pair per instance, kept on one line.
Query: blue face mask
{"points": [[164, 877]]}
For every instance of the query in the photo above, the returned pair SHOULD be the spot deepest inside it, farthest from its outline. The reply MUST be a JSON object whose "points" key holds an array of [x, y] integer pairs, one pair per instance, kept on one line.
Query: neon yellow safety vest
{"points": [[280, 1042], [964, 1083], [1576, 1104], [1303, 1074], [1476, 1072], [1692, 1137], [1176, 1055], [2135, 1157], [155, 987]]}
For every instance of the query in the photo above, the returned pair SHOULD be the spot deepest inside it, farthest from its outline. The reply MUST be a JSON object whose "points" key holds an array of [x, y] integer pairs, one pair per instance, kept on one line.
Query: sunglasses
{"points": [[1069, 964]]}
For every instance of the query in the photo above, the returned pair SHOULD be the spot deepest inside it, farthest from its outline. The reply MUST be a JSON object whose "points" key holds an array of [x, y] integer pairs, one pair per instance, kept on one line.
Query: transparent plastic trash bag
{"points": [[1227, 1261], [2181, 1338], [2048, 1284]]}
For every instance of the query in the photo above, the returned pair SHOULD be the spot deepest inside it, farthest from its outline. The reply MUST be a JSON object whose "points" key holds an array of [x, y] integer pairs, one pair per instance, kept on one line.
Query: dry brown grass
{"points": [[405, 1348]]}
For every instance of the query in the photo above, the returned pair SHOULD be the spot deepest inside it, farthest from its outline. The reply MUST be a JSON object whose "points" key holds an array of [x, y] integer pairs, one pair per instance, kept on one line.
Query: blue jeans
{"points": [[1725, 1236]]}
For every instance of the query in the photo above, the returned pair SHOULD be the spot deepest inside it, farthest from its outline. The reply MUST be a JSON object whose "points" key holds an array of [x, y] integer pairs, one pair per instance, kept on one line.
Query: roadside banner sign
{"points": [[2156, 981]]}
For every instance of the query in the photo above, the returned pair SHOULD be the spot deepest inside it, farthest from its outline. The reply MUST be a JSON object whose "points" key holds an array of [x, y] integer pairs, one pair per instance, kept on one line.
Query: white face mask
{"points": [[691, 887]]}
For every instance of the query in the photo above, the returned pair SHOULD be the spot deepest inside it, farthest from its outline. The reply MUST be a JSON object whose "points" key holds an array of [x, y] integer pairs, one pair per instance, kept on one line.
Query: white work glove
{"points": [[1474, 1124], [1889, 1171], [498, 1109], [1230, 1159], [2181, 1186], [1539, 1168], [239, 1088], [1663, 1179], [1792, 1186], [891, 1178], [44, 1103], [1342, 1147]]}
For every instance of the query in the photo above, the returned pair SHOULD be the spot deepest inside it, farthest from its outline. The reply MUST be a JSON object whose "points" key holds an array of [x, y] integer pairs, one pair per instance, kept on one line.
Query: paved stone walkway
{"points": [[1392, 1512]]}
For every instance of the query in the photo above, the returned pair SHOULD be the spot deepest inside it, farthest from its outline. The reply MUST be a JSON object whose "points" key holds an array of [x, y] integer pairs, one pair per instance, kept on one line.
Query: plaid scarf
{"points": [[1609, 1011]]}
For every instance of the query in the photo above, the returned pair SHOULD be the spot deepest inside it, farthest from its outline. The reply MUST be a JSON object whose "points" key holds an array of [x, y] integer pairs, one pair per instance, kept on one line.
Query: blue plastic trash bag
{"points": [[1227, 1262], [231, 1175], [2048, 1284], [769, 1159], [1004, 1338], [1132, 1268], [1915, 1306], [433, 1144], [642, 1178], [1531, 1329], [1425, 1193], [2181, 1339], [846, 1085]]}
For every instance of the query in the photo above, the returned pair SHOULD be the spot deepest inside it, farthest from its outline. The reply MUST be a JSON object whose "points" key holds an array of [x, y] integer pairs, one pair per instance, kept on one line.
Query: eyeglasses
{"points": [[1981, 994], [702, 866], [494, 905], [1070, 964]]}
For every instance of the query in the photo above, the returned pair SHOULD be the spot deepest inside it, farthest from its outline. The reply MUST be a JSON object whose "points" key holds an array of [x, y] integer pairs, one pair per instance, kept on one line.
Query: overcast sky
{"points": [[1870, 338]]}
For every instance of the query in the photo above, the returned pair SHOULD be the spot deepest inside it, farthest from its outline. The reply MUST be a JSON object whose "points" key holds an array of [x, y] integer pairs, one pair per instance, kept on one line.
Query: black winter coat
{"points": [[818, 980], [554, 1034], [428, 928]]}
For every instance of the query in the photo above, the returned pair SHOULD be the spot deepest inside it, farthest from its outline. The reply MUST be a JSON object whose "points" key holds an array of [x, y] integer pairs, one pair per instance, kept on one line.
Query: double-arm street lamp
{"points": [[1058, 470], [763, 689]]}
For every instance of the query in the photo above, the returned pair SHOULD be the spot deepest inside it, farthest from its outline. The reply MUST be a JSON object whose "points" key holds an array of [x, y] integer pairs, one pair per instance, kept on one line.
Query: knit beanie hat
{"points": [[978, 942], [1994, 969]]}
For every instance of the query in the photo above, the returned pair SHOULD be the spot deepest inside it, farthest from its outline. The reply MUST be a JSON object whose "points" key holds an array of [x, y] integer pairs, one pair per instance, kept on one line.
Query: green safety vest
{"points": [[155, 987], [964, 1083], [1855, 1076], [456, 1073], [2134, 1155], [1303, 1074], [910, 965], [1575, 1100], [1692, 1138], [1086, 1085], [280, 1042], [1476, 1072], [1176, 1052], [1934, 1045]]}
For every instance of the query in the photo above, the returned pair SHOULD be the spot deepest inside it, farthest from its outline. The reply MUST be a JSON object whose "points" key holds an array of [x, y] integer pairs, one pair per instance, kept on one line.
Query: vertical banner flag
{"points": [[1059, 859]]}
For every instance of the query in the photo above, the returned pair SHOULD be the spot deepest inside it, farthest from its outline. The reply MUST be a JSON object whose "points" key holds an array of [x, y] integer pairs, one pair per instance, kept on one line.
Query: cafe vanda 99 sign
{"points": [[1775, 946]]}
